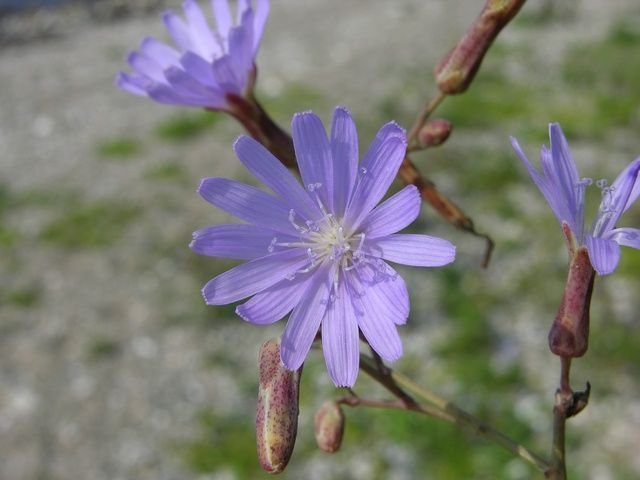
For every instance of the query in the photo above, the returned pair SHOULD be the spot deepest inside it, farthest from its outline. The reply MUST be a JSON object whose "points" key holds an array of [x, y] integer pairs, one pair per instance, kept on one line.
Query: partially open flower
{"points": [[565, 191], [207, 65]]}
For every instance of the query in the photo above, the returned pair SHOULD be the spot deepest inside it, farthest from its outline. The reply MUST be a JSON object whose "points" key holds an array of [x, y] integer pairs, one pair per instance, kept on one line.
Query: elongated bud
{"points": [[435, 132], [569, 335], [456, 70], [329, 426], [277, 410]]}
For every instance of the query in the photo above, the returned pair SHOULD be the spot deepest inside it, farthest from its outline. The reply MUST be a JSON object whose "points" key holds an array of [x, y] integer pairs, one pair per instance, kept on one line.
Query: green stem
{"points": [[450, 412]]}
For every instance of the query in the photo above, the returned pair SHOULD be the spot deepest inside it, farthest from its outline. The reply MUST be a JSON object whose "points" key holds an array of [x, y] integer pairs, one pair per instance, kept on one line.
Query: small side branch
{"points": [[438, 407]]}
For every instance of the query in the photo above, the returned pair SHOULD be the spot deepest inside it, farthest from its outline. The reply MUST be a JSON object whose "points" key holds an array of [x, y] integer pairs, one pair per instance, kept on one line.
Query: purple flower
{"points": [[564, 191], [319, 251], [208, 65]]}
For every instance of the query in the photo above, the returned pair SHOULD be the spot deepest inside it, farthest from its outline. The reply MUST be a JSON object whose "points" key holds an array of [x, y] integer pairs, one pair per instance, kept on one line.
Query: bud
{"points": [[455, 72], [435, 132], [569, 335], [329, 426], [277, 410]]}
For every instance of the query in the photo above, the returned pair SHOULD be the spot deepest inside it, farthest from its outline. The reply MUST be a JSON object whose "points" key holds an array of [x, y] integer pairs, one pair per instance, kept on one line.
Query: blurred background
{"points": [[111, 366]]}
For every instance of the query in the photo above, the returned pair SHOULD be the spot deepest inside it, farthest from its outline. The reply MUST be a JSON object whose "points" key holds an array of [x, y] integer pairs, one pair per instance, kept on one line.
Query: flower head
{"points": [[564, 190], [319, 251], [208, 64]]}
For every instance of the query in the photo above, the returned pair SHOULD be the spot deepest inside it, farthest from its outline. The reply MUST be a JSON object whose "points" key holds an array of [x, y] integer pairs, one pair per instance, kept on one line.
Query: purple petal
{"points": [[247, 203], [626, 188], [616, 199], [241, 46], [222, 14], [147, 66], [604, 254], [201, 38], [313, 153], [273, 303], [555, 197], [166, 94], [225, 75], [344, 150], [178, 30], [564, 174], [340, 340], [386, 289], [379, 168], [200, 69], [304, 322], [242, 7], [132, 83], [162, 54], [270, 171], [253, 277], [189, 87], [379, 329], [262, 12], [411, 249], [394, 214], [627, 237], [241, 242]]}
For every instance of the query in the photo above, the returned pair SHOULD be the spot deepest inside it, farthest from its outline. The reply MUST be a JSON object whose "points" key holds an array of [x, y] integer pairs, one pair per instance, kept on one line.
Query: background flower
{"points": [[564, 190], [320, 252], [207, 65]]}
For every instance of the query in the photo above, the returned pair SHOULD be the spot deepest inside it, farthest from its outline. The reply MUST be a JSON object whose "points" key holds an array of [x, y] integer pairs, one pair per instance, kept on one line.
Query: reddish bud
{"points": [[277, 410], [435, 132], [569, 335], [329, 426], [455, 72]]}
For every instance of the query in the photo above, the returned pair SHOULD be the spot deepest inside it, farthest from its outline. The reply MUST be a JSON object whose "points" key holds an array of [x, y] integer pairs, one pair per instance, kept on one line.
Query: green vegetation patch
{"points": [[186, 125], [23, 297], [171, 171], [225, 442], [124, 147], [90, 225]]}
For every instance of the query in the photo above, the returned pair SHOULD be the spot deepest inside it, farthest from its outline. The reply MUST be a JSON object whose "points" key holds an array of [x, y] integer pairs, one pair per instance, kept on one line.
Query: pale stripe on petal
{"points": [[253, 277], [412, 249], [274, 302], [304, 322], [340, 339], [604, 254]]}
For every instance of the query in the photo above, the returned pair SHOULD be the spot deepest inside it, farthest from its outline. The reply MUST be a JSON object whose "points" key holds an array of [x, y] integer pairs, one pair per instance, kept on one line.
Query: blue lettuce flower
{"points": [[320, 251], [208, 64], [565, 191]]}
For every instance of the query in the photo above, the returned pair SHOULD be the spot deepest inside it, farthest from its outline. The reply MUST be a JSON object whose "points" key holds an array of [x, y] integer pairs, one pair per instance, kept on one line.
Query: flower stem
{"points": [[562, 404], [447, 410], [423, 116]]}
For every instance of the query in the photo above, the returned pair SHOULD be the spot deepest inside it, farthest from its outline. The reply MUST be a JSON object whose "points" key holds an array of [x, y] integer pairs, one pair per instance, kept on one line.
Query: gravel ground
{"points": [[69, 413]]}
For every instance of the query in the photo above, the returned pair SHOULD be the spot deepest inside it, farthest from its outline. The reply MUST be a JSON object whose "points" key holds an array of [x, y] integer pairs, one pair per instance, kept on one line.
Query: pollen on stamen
{"points": [[292, 221], [272, 245], [585, 182]]}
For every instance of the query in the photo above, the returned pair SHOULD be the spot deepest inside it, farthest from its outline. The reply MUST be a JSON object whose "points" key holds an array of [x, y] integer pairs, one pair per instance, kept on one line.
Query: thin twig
{"points": [[357, 401], [423, 116], [451, 412]]}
